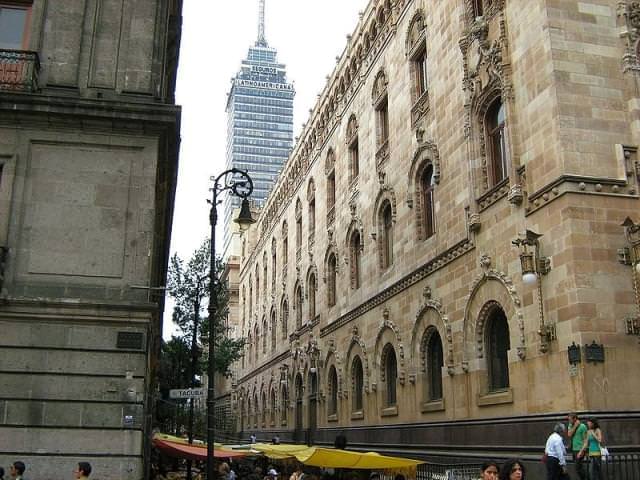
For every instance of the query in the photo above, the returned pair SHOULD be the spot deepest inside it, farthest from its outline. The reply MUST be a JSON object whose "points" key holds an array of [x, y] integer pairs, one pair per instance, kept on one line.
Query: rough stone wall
{"points": [[89, 161]]}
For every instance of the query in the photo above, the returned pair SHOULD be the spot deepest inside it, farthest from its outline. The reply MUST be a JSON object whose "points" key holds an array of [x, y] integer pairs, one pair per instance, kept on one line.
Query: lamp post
{"points": [[239, 184]]}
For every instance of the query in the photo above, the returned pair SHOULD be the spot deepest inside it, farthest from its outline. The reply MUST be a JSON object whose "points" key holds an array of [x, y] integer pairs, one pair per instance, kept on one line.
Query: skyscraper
{"points": [[260, 121]]}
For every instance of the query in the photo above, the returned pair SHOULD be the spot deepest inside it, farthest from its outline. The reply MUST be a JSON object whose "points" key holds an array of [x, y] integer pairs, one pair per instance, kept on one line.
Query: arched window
{"points": [[257, 341], [332, 381], [355, 254], [265, 335], [390, 376], [386, 218], [354, 152], [285, 319], [272, 409], [434, 366], [298, 300], [311, 198], [256, 410], [258, 288], [428, 213], [381, 108], [250, 299], [265, 407], [274, 264], [332, 266], [284, 395], [264, 272], [249, 347], [357, 382], [496, 143], [285, 243], [312, 297], [274, 330], [497, 347], [298, 226]]}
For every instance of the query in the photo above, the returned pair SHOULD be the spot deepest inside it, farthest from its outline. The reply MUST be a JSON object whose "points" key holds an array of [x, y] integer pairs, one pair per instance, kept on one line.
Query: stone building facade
{"points": [[89, 136], [448, 226]]}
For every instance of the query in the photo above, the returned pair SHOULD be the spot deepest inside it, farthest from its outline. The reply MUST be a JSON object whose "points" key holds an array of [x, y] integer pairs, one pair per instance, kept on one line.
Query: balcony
{"points": [[19, 70]]}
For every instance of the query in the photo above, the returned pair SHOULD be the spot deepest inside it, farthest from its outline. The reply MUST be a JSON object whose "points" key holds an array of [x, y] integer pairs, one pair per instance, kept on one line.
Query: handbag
{"points": [[604, 454]]}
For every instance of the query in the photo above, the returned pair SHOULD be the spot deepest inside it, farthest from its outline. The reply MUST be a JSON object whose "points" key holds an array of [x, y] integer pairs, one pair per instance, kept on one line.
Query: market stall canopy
{"points": [[334, 458], [179, 447]]}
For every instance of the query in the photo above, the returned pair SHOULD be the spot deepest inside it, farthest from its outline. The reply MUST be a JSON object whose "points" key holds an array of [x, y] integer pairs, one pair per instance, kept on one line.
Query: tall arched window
{"points": [[272, 408], [284, 397], [390, 376], [386, 218], [498, 345], [250, 299], [285, 243], [330, 172], [354, 151], [428, 213], [332, 381], [274, 330], [264, 409], [285, 319], [256, 335], [496, 143], [256, 410], [312, 297], [274, 264], [265, 335], [357, 382], [257, 289], [332, 266], [298, 226], [434, 366], [311, 198], [355, 254], [298, 300]]}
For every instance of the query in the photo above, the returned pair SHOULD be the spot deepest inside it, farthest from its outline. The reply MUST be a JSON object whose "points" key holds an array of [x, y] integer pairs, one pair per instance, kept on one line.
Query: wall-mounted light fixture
{"points": [[573, 352], [631, 256], [594, 352], [533, 266]]}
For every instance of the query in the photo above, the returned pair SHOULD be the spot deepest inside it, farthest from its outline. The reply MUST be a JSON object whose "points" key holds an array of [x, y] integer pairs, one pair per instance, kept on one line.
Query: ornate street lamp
{"points": [[239, 184]]}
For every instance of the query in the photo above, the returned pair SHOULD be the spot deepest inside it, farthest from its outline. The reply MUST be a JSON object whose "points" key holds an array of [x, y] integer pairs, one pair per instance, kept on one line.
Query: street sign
{"points": [[187, 393]]}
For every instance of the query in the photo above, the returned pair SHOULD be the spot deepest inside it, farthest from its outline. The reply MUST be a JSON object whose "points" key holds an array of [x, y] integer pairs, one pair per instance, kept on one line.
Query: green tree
{"points": [[188, 285], [173, 372]]}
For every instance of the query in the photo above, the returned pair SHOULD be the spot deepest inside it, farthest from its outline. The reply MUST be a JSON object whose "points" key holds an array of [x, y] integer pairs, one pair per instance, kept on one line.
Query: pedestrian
{"points": [[556, 453], [512, 470], [83, 471], [576, 431], [17, 470], [297, 474], [223, 471], [489, 470], [275, 440], [1, 473], [253, 438], [593, 442]]}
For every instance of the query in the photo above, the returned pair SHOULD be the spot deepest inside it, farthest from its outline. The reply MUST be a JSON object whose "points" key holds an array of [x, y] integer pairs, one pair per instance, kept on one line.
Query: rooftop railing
{"points": [[19, 70]]}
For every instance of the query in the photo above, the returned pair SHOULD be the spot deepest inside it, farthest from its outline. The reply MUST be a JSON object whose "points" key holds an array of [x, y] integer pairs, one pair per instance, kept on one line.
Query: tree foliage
{"points": [[188, 285]]}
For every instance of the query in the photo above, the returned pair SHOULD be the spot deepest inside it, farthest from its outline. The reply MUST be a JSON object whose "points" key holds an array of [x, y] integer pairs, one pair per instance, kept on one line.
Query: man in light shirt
{"points": [[556, 453]]}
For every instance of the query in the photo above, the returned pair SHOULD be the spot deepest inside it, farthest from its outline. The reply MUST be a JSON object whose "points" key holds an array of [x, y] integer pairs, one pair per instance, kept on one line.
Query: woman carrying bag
{"points": [[593, 442]]}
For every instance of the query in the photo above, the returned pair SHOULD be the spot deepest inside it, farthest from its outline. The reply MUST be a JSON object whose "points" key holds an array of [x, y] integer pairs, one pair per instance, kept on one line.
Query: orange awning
{"points": [[191, 452]]}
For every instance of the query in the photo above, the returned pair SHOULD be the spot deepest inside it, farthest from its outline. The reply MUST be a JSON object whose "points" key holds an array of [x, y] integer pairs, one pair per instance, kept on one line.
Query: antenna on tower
{"points": [[262, 42]]}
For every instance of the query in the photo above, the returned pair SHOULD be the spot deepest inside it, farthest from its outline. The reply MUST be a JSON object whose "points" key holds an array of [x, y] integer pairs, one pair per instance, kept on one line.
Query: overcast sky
{"points": [[216, 35]]}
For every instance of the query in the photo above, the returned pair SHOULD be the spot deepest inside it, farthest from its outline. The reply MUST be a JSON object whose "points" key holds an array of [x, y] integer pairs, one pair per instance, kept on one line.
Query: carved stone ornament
{"points": [[629, 16]]}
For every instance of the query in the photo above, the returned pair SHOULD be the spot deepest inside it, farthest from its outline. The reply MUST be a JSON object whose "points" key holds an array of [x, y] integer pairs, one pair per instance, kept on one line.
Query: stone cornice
{"points": [[438, 262], [579, 184]]}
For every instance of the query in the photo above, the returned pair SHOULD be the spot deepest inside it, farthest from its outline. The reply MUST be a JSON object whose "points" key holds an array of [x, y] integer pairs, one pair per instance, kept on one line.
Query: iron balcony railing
{"points": [[19, 70]]}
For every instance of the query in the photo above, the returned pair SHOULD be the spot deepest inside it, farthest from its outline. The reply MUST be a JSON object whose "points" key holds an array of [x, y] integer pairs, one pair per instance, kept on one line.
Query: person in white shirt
{"points": [[556, 453]]}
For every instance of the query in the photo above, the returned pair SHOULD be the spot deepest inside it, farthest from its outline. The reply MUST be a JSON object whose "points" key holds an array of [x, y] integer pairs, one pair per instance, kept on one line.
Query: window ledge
{"points": [[493, 194], [432, 406], [496, 398], [390, 411], [358, 415], [332, 418]]}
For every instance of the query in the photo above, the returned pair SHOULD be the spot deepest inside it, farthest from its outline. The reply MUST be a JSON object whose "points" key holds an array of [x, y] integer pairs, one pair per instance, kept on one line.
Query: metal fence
{"points": [[622, 466]]}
